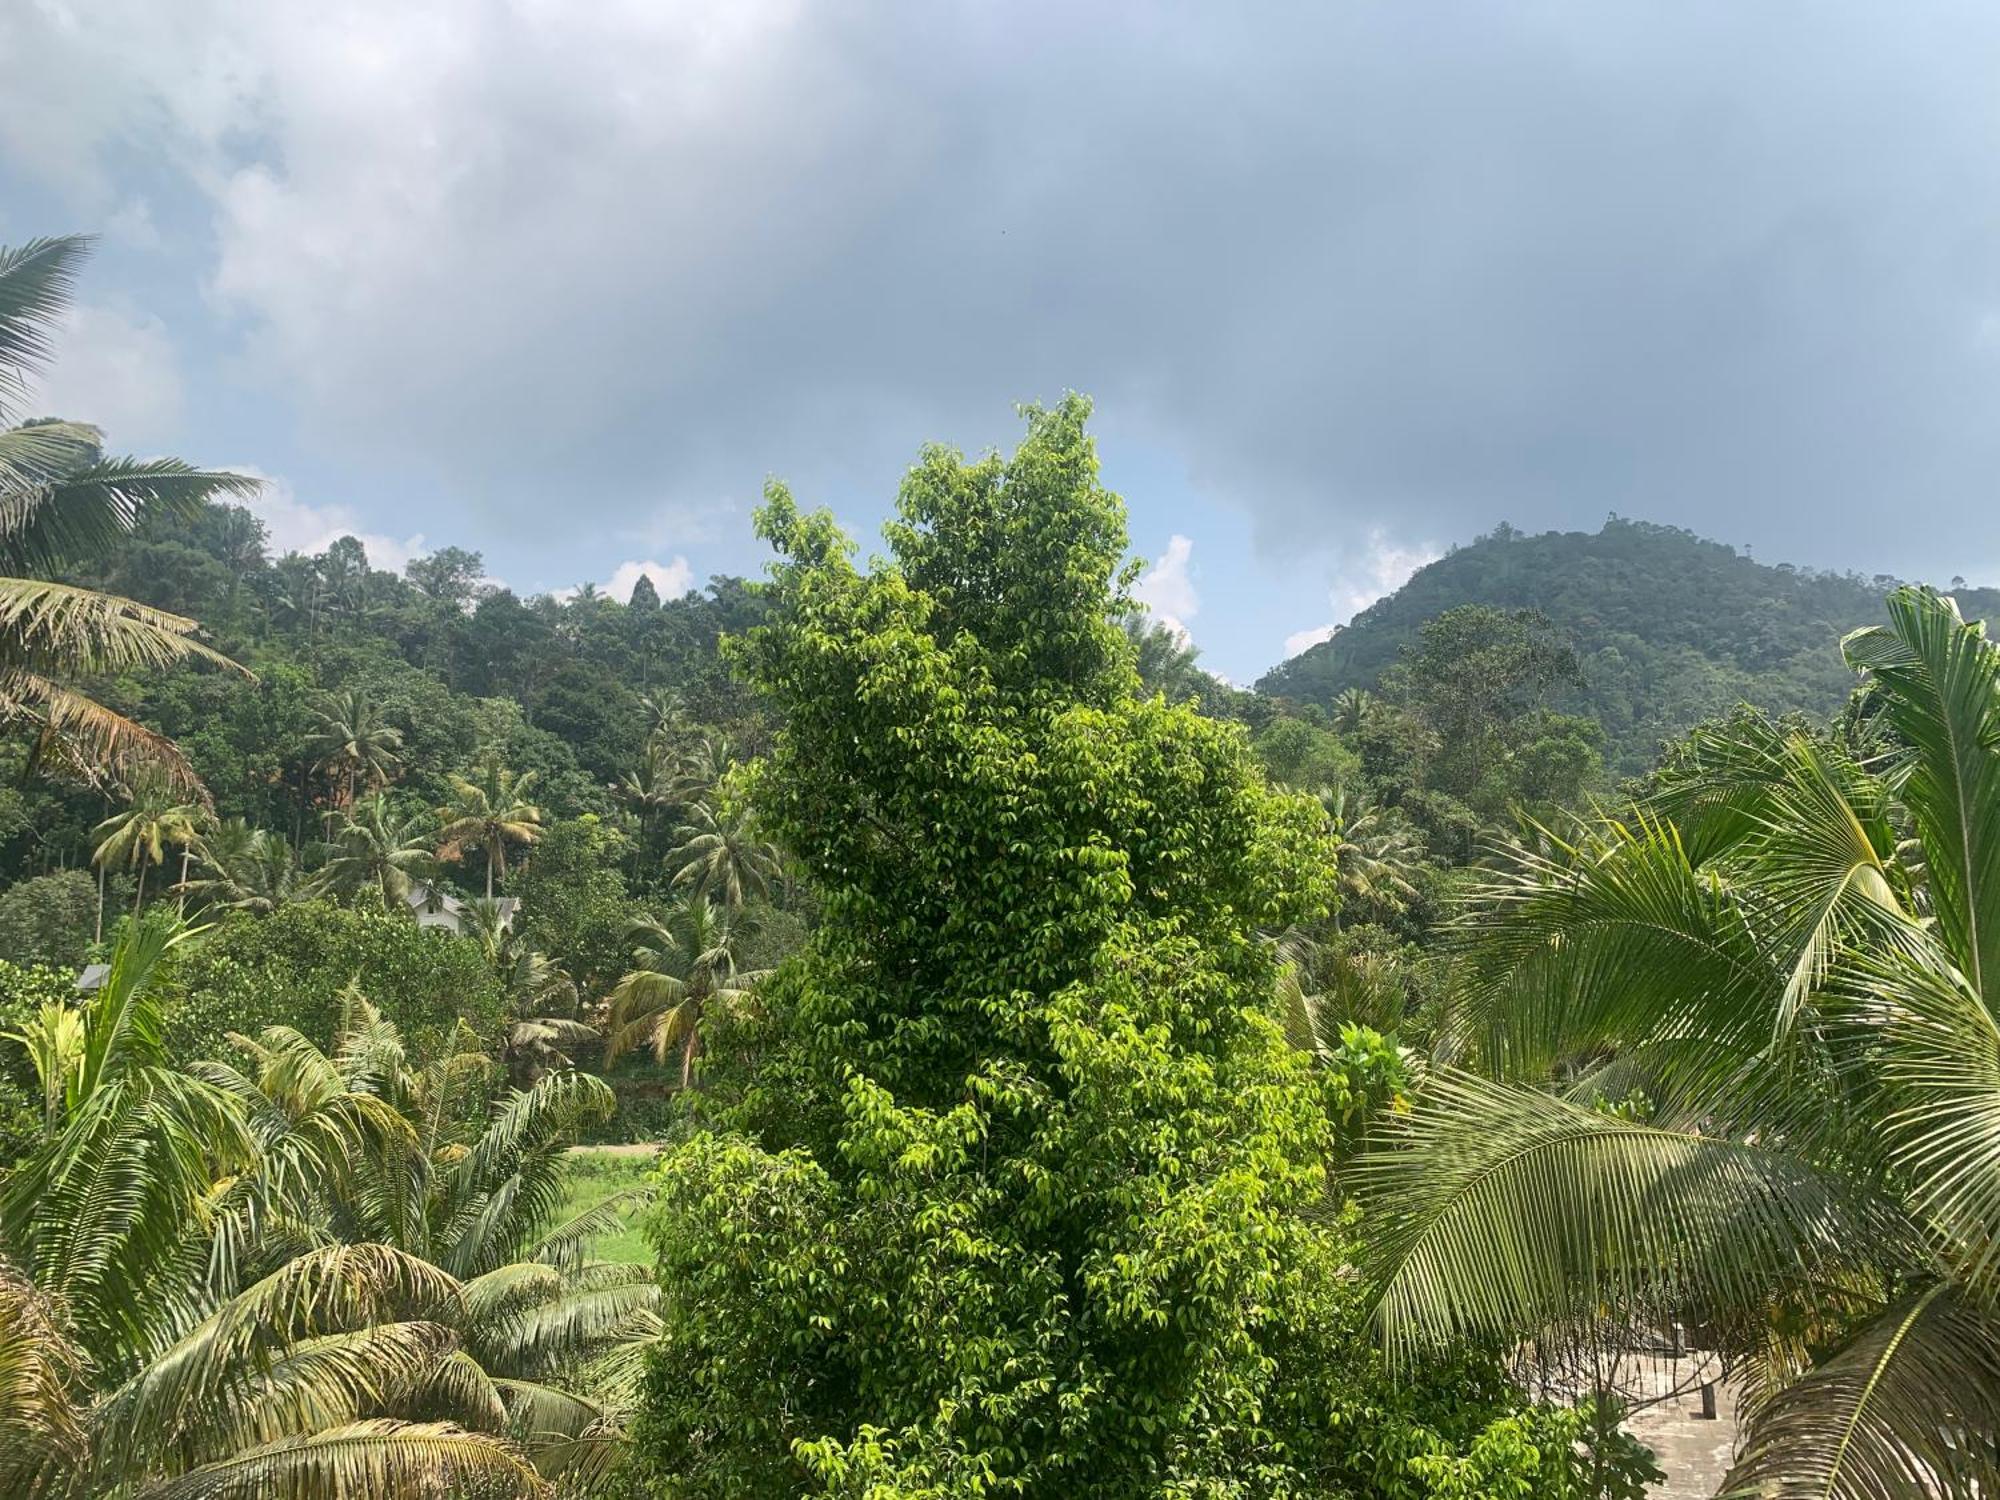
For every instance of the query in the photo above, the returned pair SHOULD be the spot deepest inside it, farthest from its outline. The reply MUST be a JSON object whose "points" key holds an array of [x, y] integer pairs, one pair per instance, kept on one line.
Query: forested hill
{"points": [[1669, 628]]}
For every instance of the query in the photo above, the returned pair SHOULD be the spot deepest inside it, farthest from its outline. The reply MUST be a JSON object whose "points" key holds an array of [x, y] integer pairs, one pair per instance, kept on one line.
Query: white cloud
{"points": [[671, 579], [1384, 567], [1298, 640], [296, 526], [117, 371], [1166, 589]]}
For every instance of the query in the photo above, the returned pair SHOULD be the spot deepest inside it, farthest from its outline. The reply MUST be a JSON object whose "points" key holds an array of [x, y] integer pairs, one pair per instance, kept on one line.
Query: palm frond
{"points": [[1507, 1212], [86, 507], [373, 1460], [37, 281], [1939, 683], [1908, 1407]]}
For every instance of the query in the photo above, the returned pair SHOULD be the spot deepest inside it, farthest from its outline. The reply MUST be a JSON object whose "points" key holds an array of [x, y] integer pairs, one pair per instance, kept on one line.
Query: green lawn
{"points": [[597, 1175]]}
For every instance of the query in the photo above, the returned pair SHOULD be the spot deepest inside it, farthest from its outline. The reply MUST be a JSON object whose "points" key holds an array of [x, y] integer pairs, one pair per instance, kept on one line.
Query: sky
{"points": [[1349, 283]]}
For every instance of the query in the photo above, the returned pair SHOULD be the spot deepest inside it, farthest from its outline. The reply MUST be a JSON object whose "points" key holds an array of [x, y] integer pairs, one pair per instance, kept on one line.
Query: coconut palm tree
{"points": [[139, 837], [702, 769], [487, 815], [244, 869], [353, 743], [61, 501], [723, 854], [1379, 856], [141, 1362], [1352, 709], [542, 1000], [1797, 1021], [684, 962], [378, 853], [652, 786]]}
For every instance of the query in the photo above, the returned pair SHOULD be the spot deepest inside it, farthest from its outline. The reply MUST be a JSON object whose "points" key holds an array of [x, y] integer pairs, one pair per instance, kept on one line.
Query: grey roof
{"points": [[92, 978]]}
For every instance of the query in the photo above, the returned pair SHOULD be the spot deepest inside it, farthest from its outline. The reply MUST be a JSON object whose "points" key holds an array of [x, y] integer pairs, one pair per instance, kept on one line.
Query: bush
{"points": [[49, 919], [292, 966]]}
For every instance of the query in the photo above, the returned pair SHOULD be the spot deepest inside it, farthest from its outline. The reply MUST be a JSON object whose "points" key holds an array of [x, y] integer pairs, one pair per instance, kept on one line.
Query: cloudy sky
{"points": [[1349, 282]]}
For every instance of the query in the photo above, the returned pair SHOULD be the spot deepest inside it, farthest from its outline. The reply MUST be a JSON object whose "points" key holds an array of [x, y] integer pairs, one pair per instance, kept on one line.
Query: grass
{"points": [[597, 1175]]}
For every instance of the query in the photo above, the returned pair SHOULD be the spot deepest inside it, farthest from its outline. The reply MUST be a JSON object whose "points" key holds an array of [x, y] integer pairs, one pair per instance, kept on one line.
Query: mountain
{"points": [[1670, 628]]}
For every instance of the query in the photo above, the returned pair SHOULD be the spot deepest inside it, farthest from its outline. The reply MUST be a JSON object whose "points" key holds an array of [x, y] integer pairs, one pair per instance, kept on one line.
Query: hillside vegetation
{"points": [[1669, 628]]}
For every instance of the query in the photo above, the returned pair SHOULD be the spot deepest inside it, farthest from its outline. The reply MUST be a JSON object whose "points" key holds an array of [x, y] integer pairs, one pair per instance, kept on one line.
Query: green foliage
{"points": [[1779, 968], [1010, 1192], [293, 966], [574, 902], [1574, 1453], [49, 919]]}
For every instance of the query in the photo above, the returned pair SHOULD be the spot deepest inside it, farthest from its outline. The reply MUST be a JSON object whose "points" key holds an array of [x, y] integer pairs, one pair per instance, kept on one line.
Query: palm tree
{"points": [[722, 853], [354, 742], [542, 1000], [684, 962], [1798, 1022], [1352, 709], [488, 815], [652, 786], [245, 869], [140, 1361], [139, 837], [377, 852], [1166, 662], [466, 1182], [1378, 857], [702, 769], [62, 500]]}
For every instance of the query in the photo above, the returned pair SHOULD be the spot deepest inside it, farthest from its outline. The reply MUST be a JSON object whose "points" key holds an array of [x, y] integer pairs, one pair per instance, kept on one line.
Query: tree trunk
{"points": [[140, 894], [490, 860], [187, 854], [100, 904]]}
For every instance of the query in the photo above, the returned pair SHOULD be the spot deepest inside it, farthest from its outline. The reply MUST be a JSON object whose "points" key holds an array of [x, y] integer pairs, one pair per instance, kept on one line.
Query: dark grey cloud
{"points": [[1356, 266]]}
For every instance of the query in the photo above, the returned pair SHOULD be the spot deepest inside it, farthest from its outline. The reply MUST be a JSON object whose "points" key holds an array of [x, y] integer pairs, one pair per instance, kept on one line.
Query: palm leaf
{"points": [[1507, 1212], [1939, 683], [374, 1460], [37, 281], [1908, 1407]]}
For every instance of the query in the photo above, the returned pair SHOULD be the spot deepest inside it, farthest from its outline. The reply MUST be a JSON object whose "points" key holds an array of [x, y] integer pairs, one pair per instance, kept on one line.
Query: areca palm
{"points": [[723, 854], [683, 963], [62, 500], [487, 815], [1805, 1017], [139, 837], [354, 742], [141, 1362], [378, 853]]}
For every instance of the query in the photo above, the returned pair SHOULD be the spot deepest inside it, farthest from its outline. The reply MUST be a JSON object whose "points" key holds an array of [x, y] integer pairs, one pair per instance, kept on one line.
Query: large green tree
{"points": [[1010, 1197]]}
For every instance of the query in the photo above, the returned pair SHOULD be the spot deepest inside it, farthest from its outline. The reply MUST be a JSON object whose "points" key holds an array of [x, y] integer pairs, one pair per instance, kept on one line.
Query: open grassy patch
{"points": [[597, 1174]]}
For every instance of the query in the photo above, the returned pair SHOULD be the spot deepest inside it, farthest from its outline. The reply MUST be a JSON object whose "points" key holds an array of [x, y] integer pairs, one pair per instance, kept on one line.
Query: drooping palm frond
{"points": [[1505, 1211], [37, 281], [1907, 1407], [372, 1460], [41, 1430], [85, 508]]}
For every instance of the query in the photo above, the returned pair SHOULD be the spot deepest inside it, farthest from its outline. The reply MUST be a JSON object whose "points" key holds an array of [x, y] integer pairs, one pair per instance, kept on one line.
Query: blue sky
{"points": [[1349, 283]]}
